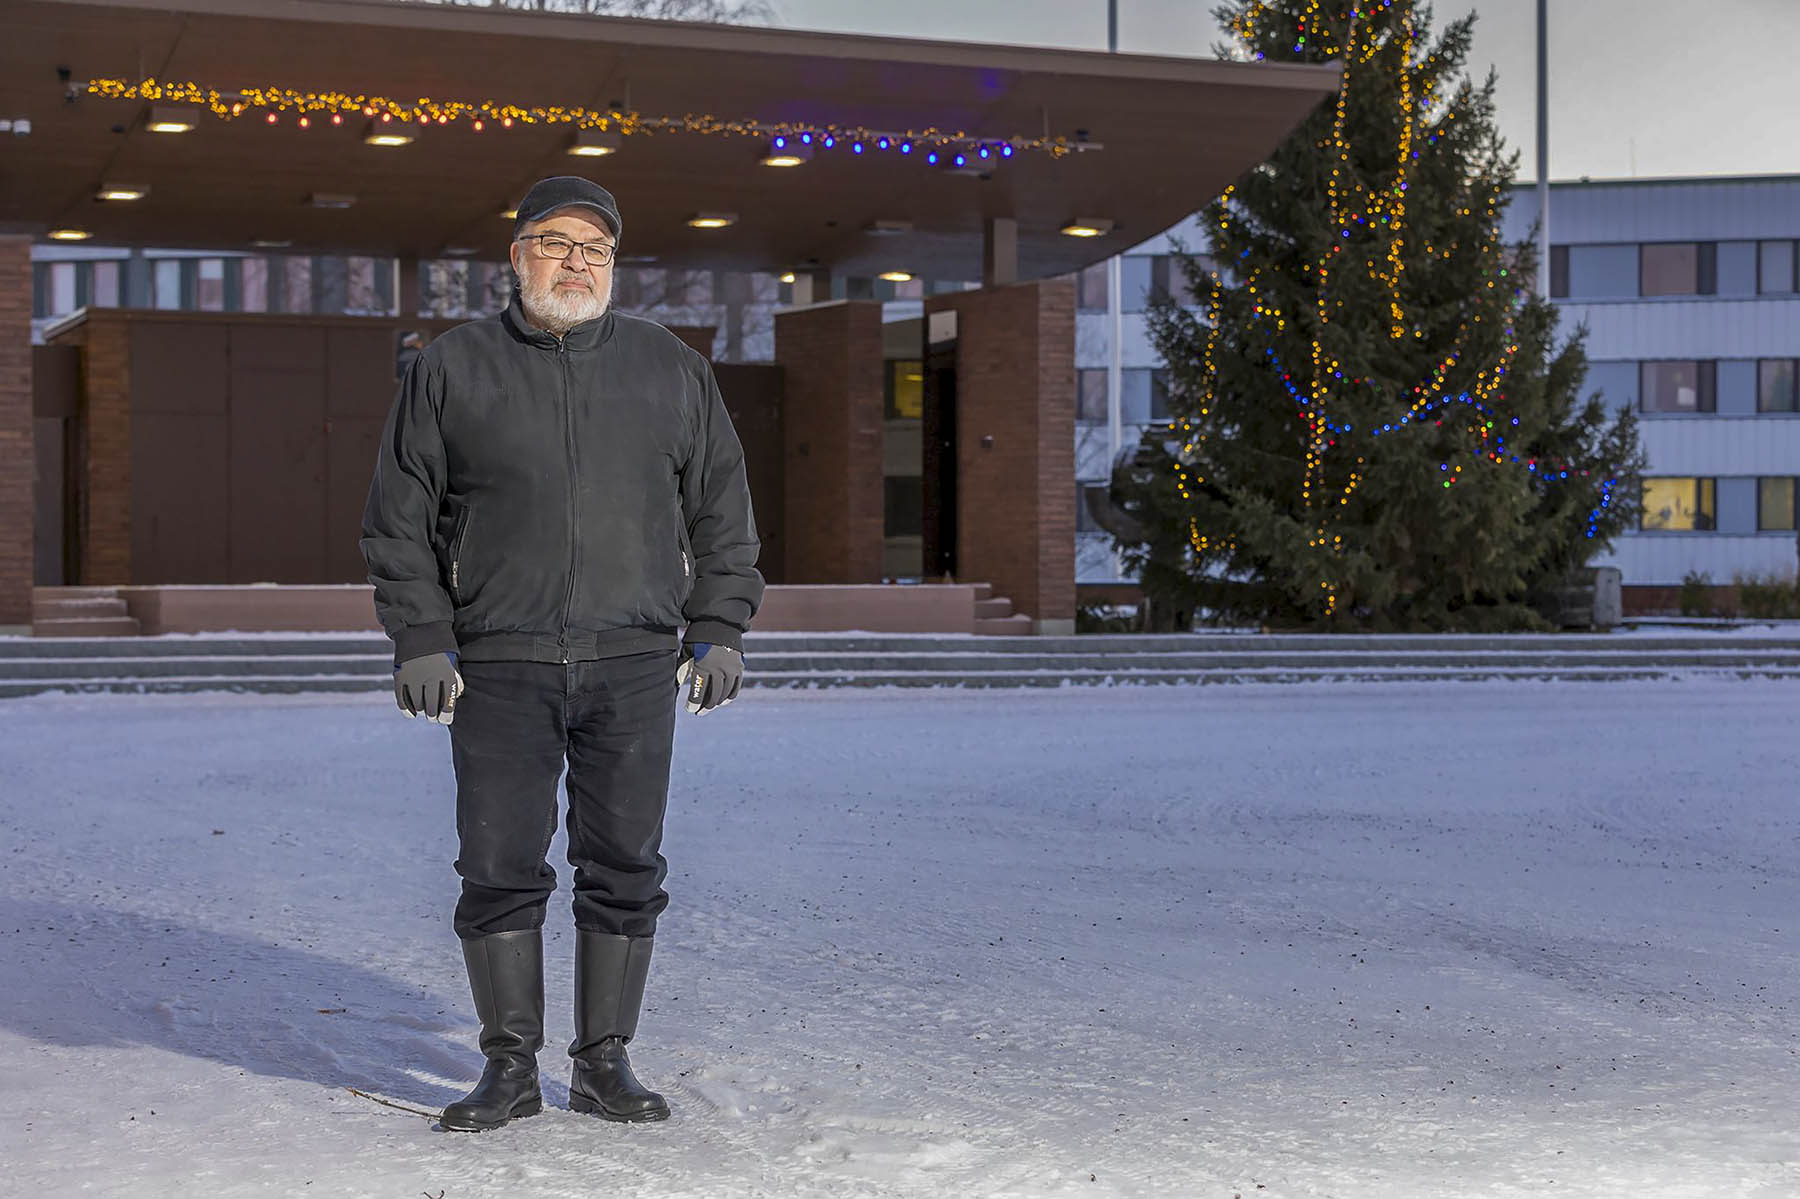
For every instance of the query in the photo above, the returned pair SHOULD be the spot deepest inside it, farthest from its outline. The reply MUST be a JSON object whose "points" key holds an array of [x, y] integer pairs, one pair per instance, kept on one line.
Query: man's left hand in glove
{"points": [[712, 675]]}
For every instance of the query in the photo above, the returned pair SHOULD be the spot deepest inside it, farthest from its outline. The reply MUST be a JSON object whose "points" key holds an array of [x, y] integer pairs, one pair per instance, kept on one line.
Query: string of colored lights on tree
{"points": [[1352, 208], [307, 108]]}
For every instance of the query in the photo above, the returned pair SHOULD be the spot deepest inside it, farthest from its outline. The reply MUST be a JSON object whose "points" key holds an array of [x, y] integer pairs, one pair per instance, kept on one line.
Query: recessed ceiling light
{"points": [[888, 228], [387, 133], [787, 276], [712, 220], [595, 143], [69, 235], [1088, 226], [896, 276], [172, 118], [122, 191], [331, 200], [270, 243], [458, 251], [635, 259], [784, 151]]}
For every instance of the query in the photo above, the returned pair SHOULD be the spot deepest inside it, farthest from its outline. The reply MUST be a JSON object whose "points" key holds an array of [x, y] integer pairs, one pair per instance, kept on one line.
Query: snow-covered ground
{"points": [[1400, 940]]}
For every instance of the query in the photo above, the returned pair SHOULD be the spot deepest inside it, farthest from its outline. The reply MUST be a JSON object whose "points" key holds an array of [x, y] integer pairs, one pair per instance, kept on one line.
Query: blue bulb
{"points": [[932, 158], [1006, 151], [830, 141], [856, 148], [984, 151], [780, 142], [961, 161], [882, 144], [906, 147], [806, 139]]}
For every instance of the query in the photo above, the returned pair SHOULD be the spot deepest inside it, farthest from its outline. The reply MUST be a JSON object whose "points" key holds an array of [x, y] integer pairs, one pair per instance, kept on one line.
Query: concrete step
{"points": [[56, 593], [983, 591], [85, 626], [70, 608], [1016, 625], [993, 609]]}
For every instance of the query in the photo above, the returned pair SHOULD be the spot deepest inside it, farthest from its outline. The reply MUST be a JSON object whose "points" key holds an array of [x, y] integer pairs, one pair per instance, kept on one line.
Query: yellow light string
{"points": [[229, 105]]}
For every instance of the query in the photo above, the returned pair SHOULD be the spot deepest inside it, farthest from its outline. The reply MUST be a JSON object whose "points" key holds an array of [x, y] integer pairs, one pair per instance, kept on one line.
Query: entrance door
{"points": [[940, 461]]}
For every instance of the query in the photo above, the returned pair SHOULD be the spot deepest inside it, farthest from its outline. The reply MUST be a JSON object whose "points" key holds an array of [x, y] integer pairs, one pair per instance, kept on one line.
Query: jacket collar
{"points": [[588, 335]]}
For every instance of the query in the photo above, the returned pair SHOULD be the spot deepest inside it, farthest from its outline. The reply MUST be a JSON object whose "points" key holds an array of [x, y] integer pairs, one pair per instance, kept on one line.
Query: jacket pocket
{"points": [[686, 551], [458, 553]]}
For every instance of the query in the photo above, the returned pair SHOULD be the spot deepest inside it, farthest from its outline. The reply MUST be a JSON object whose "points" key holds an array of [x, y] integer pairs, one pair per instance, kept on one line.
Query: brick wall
{"points": [[18, 446], [832, 521], [1016, 496], [104, 449]]}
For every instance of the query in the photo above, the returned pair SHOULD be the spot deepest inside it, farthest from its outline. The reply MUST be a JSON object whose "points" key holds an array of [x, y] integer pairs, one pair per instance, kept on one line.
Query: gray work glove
{"points": [[712, 675], [428, 686]]}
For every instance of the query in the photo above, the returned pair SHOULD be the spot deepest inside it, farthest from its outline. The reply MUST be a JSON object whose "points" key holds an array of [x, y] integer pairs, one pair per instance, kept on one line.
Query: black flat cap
{"points": [[567, 191]]}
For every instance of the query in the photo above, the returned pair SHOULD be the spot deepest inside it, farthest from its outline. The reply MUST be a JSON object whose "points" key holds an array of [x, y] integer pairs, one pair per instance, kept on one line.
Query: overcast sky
{"points": [[1637, 87]]}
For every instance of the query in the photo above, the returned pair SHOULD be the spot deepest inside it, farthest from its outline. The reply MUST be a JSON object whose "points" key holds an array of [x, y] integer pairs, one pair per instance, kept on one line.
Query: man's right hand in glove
{"points": [[428, 686]]}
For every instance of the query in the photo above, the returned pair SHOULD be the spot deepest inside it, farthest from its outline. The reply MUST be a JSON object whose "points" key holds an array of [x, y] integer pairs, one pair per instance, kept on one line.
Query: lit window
{"points": [[1680, 505]]}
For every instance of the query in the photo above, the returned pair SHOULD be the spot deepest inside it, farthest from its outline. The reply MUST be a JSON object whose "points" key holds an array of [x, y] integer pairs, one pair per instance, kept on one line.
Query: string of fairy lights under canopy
{"points": [[956, 148], [1385, 209]]}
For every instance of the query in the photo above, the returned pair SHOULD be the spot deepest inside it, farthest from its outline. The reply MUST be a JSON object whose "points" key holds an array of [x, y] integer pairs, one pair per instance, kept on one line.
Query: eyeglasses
{"points": [[558, 249]]}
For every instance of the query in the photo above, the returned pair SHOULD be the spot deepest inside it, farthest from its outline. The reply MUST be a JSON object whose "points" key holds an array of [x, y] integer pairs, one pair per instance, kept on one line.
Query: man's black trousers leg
{"points": [[621, 734], [614, 720]]}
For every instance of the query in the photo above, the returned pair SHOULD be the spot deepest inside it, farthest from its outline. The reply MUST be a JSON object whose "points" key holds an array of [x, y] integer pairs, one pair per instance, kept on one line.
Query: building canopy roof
{"points": [[1171, 134]]}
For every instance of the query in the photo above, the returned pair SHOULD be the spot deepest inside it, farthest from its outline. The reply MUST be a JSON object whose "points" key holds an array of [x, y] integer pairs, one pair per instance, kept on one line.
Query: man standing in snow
{"points": [[558, 491]]}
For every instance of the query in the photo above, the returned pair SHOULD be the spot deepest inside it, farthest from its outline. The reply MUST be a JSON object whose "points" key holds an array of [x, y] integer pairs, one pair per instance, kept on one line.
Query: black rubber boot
{"points": [[506, 977], [609, 989]]}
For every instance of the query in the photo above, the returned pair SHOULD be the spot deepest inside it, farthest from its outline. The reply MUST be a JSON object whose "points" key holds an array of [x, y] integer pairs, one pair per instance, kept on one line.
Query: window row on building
{"points": [[1143, 396], [1635, 270], [1685, 386], [1142, 278], [1687, 504]]}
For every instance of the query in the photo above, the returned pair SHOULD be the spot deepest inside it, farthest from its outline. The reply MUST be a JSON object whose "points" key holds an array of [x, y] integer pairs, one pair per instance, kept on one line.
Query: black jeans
{"points": [[613, 720]]}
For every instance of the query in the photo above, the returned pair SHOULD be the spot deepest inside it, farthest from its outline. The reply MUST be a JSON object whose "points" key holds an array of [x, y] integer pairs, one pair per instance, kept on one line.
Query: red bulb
{"points": [[305, 123], [337, 118], [272, 118], [478, 126]]}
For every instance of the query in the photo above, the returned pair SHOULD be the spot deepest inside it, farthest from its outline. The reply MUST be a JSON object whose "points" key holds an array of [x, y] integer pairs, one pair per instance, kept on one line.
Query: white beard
{"points": [[557, 310]]}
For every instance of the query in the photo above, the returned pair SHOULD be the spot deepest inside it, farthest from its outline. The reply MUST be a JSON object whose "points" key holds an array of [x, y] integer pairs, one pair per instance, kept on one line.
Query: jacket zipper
{"points": [[462, 537], [562, 358]]}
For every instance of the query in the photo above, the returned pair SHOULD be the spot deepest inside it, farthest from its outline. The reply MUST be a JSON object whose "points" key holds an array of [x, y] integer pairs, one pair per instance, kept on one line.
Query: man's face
{"points": [[558, 295]]}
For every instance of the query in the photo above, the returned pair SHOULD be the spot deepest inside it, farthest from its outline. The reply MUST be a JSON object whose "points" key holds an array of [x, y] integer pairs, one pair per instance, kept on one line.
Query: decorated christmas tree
{"points": [[1375, 424]]}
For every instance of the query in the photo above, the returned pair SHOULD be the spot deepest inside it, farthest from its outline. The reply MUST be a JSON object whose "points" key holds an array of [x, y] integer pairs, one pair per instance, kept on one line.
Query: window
{"points": [[296, 283], [1091, 288], [253, 295], [106, 285], [1775, 503], [1084, 515], [1559, 272], [1679, 505], [1159, 394], [62, 289], [1775, 385], [903, 506], [1681, 268], [209, 285], [1169, 277], [1134, 282], [1090, 399], [905, 389], [1775, 271], [167, 283], [1678, 386]]}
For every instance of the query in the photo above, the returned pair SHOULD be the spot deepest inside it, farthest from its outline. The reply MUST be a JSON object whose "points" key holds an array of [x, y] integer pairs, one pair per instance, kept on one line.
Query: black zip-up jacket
{"points": [[549, 499]]}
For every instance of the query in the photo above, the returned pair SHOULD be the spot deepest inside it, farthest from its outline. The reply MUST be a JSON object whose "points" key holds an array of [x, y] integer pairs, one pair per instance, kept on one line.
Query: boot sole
{"points": [[531, 1108], [588, 1107]]}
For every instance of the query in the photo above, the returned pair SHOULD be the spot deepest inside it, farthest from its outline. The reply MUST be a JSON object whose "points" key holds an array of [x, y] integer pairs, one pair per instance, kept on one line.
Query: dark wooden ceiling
{"points": [[1174, 133]]}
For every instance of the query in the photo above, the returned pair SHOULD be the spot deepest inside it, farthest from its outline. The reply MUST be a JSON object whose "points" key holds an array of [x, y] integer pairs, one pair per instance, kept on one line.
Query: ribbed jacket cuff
{"points": [[415, 641], [714, 632]]}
